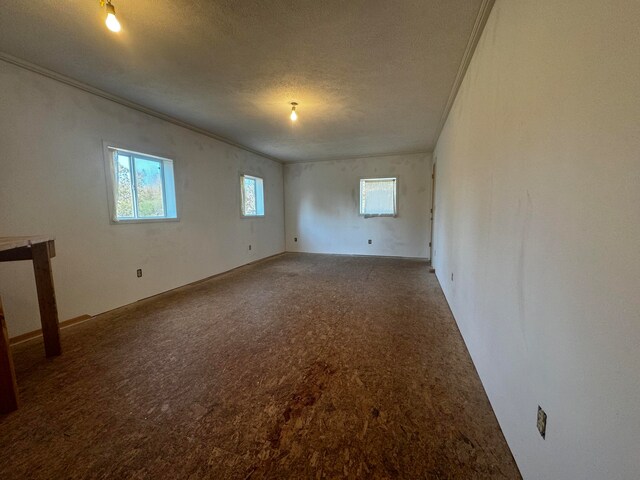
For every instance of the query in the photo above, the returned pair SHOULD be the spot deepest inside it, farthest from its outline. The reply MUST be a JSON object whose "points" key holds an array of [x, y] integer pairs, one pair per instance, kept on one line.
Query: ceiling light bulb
{"points": [[294, 115], [112, 22]]}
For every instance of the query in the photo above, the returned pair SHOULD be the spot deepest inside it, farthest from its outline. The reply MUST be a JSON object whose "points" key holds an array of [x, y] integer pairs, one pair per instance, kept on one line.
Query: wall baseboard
{"points": [[196, 282], [38, 333], [25, 337], [421, 259]]}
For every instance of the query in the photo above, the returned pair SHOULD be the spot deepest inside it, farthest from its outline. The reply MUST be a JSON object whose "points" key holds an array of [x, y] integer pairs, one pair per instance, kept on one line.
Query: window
{"points": [[142, 186], [378, 197], [252, 196]]}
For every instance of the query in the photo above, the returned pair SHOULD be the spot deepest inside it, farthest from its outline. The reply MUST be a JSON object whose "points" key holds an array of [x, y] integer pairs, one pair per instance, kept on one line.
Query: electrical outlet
{"points": [[452, 276], [249, 247], [295, 239], [369, 241], [139, 272], [542, 422]]}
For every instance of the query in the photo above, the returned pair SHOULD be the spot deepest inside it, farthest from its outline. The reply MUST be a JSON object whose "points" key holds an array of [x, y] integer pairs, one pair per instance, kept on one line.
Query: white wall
{"points": [[321, 207], [538, 218], [52, 181]]}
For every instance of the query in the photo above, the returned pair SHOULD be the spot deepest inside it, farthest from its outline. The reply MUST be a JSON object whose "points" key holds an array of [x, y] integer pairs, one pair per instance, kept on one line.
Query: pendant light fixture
{"points": [[112, 22], [294, 115]]}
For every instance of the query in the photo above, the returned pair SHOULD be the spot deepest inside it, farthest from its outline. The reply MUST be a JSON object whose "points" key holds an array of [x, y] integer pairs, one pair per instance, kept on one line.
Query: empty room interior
{"points": [[286, 239]]}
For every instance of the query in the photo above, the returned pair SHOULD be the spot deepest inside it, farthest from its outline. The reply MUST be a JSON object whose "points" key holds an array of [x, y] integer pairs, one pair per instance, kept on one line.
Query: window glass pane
{"points": [[149, 187], [259, 196], [124, 188], [169, 189], [250, 206], [377, 196], [143, 186]]}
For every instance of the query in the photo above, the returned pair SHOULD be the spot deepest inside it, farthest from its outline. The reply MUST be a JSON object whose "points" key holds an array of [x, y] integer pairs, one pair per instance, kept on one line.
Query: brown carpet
{"points": [[302, 367]]}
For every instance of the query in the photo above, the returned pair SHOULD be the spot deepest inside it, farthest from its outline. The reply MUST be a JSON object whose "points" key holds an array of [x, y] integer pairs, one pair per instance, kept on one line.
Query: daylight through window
{"points": [[378, 196], [252, 196], [143, 187]]}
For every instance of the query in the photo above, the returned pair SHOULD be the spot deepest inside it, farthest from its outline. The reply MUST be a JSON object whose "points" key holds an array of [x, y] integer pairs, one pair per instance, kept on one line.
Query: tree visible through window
{"points": [[143, 186], [252, 196]]}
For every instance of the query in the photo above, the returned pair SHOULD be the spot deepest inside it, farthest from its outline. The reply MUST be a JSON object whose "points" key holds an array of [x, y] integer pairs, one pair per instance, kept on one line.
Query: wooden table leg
{"points": [[46, 298], [8, 385]]}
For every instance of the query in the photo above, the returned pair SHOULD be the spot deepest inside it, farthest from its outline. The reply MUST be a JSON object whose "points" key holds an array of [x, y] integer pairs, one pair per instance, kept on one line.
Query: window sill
{"points": [[143, 220]]}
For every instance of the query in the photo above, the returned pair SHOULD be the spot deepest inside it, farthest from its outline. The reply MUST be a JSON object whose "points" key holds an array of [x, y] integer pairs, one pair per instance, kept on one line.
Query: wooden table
{"points": [[40, 250]]}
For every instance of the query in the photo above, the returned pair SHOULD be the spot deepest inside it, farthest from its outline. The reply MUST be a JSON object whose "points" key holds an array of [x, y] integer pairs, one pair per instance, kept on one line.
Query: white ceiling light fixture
{"points": [[112, 22], [294, 115]]}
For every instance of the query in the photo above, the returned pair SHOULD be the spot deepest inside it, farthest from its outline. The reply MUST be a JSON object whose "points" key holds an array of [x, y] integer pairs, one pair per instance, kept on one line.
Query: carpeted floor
{"points": [[302, 367]]}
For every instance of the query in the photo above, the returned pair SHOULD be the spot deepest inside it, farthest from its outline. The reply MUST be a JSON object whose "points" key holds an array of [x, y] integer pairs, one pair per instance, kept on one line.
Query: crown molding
{"points": [[5, 57], [478, 27], [481, 20], [357, 157]]}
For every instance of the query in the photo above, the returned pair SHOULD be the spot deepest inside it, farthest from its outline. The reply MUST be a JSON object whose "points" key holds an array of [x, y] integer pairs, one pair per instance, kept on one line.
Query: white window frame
{"points": [[108, 149], [264, 206], [361, 184]]}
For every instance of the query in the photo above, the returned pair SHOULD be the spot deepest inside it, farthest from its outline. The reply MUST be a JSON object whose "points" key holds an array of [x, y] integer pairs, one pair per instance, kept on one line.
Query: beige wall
{"points": [[538, 220], [52, 181], [321, 207]]}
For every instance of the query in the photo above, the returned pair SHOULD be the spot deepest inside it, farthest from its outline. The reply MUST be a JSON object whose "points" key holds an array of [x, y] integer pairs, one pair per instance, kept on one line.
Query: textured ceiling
{"points": [[370, 76]]}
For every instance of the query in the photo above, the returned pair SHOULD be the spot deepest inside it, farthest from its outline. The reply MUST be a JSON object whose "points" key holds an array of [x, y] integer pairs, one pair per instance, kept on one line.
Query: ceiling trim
{"points": [[474, 38], [127, 103], [356, 157]]}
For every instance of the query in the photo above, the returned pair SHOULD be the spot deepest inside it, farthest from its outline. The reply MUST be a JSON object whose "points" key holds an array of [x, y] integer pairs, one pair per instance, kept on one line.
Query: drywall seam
{"points": [[474, 38], [127, 103]]}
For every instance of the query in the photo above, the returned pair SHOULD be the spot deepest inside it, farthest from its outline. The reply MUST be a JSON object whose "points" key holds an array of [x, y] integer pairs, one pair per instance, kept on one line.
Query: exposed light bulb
{"points": [[294, 115], [112, 22]]}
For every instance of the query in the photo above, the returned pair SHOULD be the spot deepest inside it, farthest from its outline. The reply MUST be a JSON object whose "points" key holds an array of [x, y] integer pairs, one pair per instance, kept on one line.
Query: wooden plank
{"points": [[19, 253], [9, 243], [8, 385], [46, 298]]}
